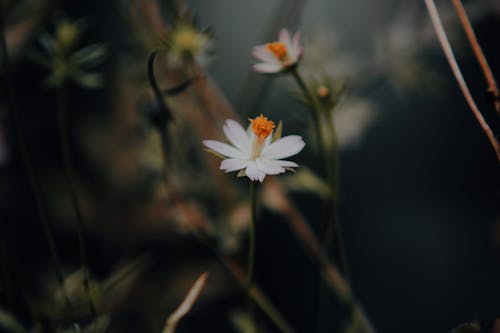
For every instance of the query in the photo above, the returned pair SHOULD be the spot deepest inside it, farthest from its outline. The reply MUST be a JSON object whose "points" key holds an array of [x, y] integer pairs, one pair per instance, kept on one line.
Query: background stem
{"points": [[251, 235], [330, 229], [445, 45], [28, 166], [62, 107]]}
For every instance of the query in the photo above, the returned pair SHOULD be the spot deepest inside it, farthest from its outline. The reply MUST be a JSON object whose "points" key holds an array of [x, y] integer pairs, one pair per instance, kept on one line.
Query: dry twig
{"points": [[445, 44]]}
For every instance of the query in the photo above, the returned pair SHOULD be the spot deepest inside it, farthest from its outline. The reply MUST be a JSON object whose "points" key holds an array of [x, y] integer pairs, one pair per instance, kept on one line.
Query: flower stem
{"points": [[23, 149], [62, 108], [251, 234], [328, 148]]}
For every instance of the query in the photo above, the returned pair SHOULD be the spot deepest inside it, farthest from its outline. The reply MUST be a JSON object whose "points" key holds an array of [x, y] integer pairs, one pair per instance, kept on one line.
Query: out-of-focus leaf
{"points": [[89, 80], [10, 324], [306, 180], [242, 322], [38, 58], [186, 304], [279, 131], [214, 152], [90, 56], [47, 42], [467, 328]]}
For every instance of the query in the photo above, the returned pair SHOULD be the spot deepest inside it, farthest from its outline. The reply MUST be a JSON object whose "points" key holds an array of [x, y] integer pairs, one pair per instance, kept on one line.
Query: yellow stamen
{"points": [[262, 127], [278, 49]]}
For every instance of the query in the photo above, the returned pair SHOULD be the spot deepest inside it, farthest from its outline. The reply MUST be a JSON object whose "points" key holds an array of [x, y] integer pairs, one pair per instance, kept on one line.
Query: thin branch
{"points": [[186, 305], [478, 52], [445, 44]]}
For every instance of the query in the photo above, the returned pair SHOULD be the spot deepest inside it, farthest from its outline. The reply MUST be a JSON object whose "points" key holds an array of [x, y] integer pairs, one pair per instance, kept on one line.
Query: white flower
{"points": [[280, 55], [254, 151]]}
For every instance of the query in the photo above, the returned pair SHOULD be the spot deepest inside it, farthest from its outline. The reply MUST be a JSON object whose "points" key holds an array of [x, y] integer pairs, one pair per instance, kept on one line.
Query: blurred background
{"points": [[418, 198]]}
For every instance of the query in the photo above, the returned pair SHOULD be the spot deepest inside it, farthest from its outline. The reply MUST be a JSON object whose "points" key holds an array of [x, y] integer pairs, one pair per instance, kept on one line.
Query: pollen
{"points": [[262, 126], [278, 49]]}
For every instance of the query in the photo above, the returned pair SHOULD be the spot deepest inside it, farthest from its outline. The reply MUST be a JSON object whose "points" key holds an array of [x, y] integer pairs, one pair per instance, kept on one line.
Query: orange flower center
{"points": [[278, 49], [262, 126]]}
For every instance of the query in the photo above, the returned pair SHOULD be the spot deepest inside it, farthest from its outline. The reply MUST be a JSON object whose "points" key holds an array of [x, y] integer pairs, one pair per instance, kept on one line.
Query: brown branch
{"points": [[445, 44], [478, 52]]}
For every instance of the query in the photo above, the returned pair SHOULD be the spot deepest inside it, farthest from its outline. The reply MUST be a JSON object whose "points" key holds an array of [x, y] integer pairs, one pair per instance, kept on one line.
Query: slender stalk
{"points": [[251, 234], [28, 165], [445, 44], [62, 108], [316, 116], [330, 230], [478, 52]]}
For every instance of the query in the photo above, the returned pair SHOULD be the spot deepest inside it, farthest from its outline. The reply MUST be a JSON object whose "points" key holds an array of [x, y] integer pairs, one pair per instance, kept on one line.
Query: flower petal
{"points": [[254, 173], [224, 149], [237, 135], [268, 166], [284, 147], [284, 37], [262, 53], [267, 68], [233, 164], [295, 50]]}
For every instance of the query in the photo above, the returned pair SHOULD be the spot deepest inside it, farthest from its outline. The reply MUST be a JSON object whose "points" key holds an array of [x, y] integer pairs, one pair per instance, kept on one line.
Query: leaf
{"points": [[186, 304], [47, 42], [208, 150], [89, 80], [306, 180], [90, 56], [279, 131], [9, 323], [467, 328]]}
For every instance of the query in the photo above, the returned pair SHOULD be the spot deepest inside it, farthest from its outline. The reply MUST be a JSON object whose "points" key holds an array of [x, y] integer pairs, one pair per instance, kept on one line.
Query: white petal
{"points": [[233, 164], [267, 67], [295, 50], [284, 37], [284, 147], [262, 53], [237, 135], [254, 173], [224, 149], [268, 166]]}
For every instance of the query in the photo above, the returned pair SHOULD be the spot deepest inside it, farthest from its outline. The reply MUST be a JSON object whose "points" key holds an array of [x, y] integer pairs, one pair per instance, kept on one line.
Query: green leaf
{"points": [[47, 42], [89, 80], [9, 323], [208, 150], [90, 56], [279, 132]]}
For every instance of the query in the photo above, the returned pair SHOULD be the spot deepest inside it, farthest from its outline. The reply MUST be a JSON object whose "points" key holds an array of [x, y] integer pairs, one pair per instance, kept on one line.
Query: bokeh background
{"points": [[419, 200]]}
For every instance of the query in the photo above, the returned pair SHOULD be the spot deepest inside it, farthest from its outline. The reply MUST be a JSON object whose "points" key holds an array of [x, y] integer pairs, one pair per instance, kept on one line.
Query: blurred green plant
{"points": [[65, 60]]}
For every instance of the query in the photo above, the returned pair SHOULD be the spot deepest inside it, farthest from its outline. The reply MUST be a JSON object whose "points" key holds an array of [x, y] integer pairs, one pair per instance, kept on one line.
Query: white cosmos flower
{"points": [[254, 151], [278, 56]]}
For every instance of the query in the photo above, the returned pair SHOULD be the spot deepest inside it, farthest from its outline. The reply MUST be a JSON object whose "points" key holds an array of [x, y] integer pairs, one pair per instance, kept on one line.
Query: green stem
{"points": [[330, 231], [33, 181], [62, 107], [311, 99], [251, 235], [251, 254]]}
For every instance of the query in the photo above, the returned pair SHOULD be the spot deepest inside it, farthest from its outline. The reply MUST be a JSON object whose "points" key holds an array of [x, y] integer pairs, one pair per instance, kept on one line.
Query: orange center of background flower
{"points": [[262, 126], [278, 49]]}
